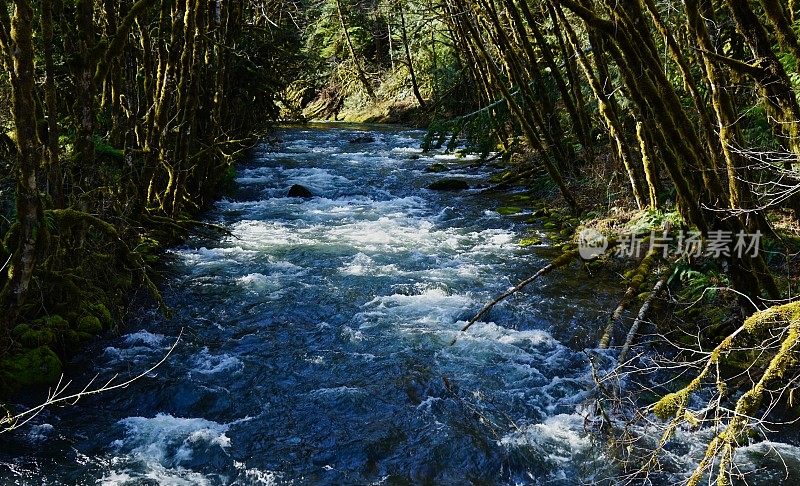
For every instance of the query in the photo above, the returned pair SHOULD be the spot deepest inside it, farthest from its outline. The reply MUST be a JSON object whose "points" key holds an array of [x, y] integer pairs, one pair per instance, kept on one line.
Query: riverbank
{"points": [[106, 261]]}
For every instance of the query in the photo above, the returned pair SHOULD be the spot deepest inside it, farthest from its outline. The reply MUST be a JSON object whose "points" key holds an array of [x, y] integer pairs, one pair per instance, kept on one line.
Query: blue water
{"points": [[316, 337]]}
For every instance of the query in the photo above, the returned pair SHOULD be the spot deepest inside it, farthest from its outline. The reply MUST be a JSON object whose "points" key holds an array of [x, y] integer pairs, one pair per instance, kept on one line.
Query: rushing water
{"points": [[316, 338]]}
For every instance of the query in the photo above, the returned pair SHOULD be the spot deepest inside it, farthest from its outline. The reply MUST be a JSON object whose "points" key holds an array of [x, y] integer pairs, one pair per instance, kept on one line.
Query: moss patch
{"points": [[32, 337], [530, 241], [31, 367], [90, 325], [509, 210]]}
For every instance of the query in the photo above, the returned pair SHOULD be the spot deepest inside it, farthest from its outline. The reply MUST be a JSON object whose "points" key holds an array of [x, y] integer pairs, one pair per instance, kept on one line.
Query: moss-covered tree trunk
{"points": [[84, 108], [30, 232], [55, 179]]}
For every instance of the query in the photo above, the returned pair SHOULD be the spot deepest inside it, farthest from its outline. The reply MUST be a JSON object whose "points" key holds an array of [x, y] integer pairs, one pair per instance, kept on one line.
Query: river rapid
{"points": [[316, 340]]}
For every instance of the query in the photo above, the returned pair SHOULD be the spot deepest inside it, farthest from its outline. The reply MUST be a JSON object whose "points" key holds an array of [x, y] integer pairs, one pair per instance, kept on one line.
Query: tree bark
{"points": [[29, 156], [362, 76], [409, 62]]}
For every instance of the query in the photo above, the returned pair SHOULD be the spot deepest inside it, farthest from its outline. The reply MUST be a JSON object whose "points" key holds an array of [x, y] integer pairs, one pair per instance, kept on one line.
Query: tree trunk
{"points": [[404, 36], [362, 76], [29, 156], [55, 180]]}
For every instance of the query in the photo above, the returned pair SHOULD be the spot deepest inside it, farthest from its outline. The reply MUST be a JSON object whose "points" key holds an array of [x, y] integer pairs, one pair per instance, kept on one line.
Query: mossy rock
{"points": [[105, 314], [550, 225], [53, 322], [31, 367], [530, 241], [449, 185], [520, 198], [122, 280], [100, 311], [90, 325], [73, 338], [32, 337], [437, 168], [509, 210], [147, 244], [595, 264]]}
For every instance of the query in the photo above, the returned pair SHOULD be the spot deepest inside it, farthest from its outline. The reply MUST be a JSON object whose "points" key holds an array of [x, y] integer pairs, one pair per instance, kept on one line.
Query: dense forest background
{"points": [[125, 117]]}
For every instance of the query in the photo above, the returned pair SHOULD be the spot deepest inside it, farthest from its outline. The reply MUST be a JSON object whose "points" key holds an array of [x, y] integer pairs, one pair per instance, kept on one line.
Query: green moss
{"points": [[38, 366], [670, 404], [90, 325], [122, 280], [520, 198], [72, 338], [32, 337], [437, 167], [100, 311], [762, 321], [103, 148], [530, 241], [105, 314], [550, 225], [54, 322], [508, 210]]}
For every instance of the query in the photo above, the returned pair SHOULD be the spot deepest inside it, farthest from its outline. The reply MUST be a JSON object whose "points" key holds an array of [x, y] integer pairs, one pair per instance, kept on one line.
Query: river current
{"points": [[316, 340]]}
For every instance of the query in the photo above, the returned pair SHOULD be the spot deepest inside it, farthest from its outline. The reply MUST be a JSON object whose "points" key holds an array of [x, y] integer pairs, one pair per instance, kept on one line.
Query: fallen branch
{"points": [[640, 275], [203, 224], [12, 422], [659, 286], [561, 261], [7, 262], [513, 179]]}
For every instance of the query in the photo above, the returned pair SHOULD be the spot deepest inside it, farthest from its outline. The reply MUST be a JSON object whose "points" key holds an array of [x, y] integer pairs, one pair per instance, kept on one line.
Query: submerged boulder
{"points": [[363, 139], [437, 167], [449, 185], [300, 191]]}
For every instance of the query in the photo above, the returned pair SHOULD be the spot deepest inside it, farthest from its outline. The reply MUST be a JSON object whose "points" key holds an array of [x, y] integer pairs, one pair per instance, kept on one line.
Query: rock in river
{"points": [[363, 139], [300, 191], [449, 185]]}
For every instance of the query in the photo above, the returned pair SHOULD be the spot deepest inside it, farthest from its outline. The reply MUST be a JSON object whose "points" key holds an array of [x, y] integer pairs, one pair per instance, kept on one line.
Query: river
{"points": [[316, 340]]}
